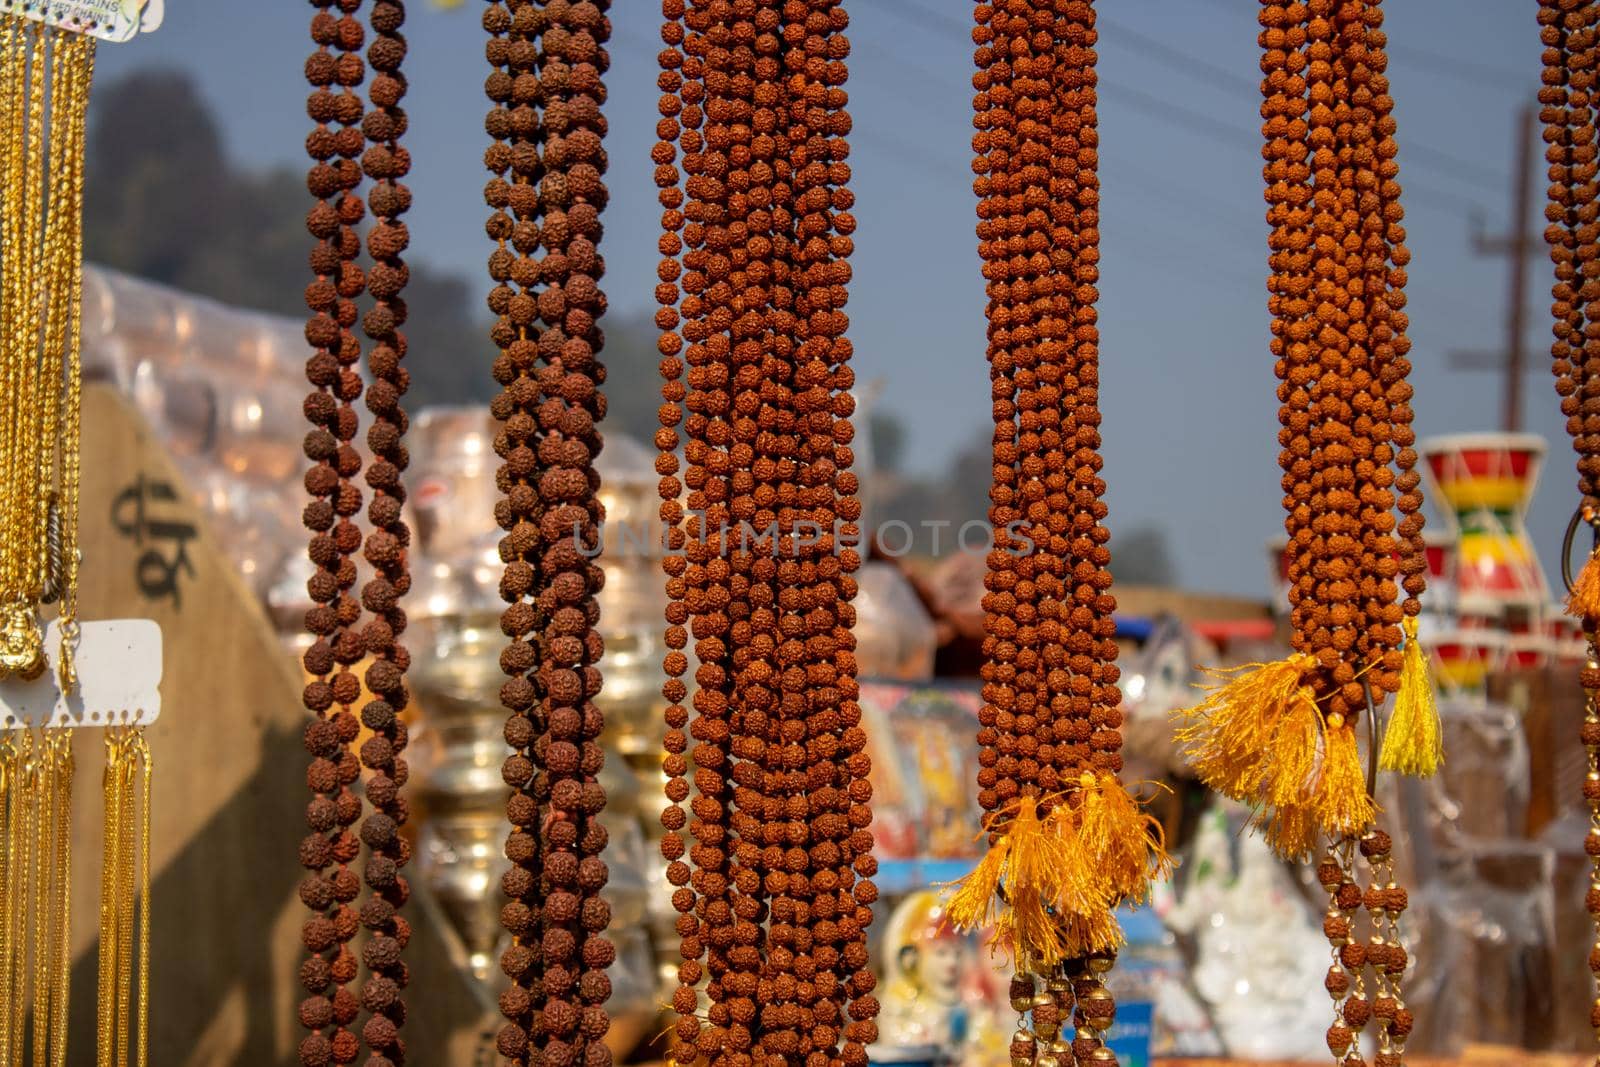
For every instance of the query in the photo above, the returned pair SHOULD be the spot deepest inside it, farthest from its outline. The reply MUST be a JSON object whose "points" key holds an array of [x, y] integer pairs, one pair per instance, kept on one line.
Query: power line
{"points": [[1225, 79], [1463, 70], [1193, 120]]}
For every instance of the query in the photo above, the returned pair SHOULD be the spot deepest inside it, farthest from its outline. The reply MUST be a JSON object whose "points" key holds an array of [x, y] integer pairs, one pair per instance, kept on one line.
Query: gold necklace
{"points": [[45, 74], [41, 217]]}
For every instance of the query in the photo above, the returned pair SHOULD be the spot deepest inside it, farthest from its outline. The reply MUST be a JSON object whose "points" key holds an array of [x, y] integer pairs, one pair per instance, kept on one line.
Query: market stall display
{"points": [[922, 810]]}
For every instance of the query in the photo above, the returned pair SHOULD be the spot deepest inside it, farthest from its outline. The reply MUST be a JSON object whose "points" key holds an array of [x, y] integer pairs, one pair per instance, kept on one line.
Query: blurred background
{"points": [[194, 229]]}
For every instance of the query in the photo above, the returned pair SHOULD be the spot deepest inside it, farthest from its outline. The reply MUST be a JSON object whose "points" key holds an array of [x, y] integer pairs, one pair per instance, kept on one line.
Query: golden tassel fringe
{"points": [[1229, 733], [1262, 740], [1414, 743], [1342, 804], [1120, 840], [1583, 601], [1010, 889], [1050, 887]]}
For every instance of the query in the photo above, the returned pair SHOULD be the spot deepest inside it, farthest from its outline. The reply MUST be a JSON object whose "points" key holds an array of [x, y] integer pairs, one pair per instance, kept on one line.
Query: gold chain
{"points": [[45, 76], [123, 1018]]}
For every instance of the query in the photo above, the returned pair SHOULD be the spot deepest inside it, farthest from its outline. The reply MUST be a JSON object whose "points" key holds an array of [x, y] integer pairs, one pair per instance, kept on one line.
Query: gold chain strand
{"points": [[53, 291], [125, 892], [43, 849], [82, 69], [146, 772], [61, 902], [35, 204], [111, 852], [19, 920], [10, 279], [12, 791]]}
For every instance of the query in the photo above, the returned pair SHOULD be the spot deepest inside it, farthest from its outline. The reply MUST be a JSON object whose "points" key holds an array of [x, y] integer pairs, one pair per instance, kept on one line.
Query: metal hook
{"points": [[1581, 515]]}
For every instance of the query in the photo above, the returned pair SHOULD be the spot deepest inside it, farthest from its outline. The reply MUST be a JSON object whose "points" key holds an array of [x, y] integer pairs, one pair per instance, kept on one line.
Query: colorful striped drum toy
{"points": [[1485, 483], [1464, 659]]}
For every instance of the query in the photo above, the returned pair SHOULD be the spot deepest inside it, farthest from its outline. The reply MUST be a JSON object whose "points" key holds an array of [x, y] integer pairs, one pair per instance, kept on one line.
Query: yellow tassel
{"points": [[1413, 744], [1120, 840], [1291, 760], [1032, 932], [1583, 601], [1229, 733], [1292, 831], [975, 902], [1026, 870], [1342, 804]]}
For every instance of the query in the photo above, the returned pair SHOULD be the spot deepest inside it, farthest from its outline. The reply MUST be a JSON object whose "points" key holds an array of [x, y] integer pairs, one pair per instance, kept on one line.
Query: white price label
{"points": [[108, 20], [119, 680]]}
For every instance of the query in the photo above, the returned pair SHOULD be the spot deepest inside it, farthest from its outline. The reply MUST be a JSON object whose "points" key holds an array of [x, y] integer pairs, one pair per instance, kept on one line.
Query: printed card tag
{"points": [[109, 20], [119, 680]]}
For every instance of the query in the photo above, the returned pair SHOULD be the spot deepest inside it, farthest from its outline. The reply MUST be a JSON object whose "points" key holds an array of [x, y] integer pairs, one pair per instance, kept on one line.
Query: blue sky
{"points": [[1188, 389]]}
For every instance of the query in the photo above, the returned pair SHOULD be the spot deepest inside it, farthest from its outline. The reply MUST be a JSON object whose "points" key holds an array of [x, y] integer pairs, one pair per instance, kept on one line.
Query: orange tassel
{"points": [[1025, 872], [1342, 804], [1228, 735], [1583, 601], [1120, 840]]}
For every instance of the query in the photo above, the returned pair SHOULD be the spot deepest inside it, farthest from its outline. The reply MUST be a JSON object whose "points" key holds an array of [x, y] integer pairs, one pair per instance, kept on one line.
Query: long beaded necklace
{"points": [[774, 897], [1569, 30], [547, 62], [345, 131], [1068, 844], [46, 68], [1281, 736]]}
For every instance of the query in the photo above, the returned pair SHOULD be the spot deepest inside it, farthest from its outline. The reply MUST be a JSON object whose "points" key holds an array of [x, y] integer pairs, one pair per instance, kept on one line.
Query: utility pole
{"points": [[1517, 245]]}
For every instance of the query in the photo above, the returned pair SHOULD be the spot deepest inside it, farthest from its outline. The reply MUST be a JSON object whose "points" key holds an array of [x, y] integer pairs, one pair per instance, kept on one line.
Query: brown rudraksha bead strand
{"points": [[1568, 103], [1287, 172], [1382, 428], [774, 897], [837, 1013], [1013, 94], [1346, 981], [1567, 99], [745, 131], [386, 162], [1331, 624], [993, 145], [702, 893], [1049, 733], [334, 70], [1386, 955], [548, 61]]}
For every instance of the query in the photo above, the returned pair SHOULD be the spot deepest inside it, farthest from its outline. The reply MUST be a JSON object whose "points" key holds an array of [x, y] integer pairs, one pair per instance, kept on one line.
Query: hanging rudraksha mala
{"points": [[774, 897], [1068, 843], [346, 132], [547, 61], [1281, 737], [1570, 31]]}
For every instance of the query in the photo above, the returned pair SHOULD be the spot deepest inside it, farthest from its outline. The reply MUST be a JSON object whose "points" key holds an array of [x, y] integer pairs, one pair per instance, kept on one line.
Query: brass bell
{"points": [[1102, 1055]]}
